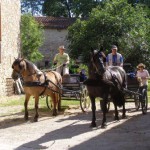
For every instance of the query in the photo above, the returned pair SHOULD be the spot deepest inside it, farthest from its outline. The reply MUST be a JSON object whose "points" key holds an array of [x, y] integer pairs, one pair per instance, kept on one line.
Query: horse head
{"points": [[18, 67], [97, 61]]}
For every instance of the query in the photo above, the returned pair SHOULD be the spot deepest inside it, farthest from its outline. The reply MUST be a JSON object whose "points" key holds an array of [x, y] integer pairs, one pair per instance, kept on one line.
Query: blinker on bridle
{"points": [[17, 62], [100, 62]]}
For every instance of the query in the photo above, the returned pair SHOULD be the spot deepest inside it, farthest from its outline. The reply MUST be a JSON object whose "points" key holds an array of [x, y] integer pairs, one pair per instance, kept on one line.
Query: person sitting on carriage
{"points": [[61, 60], [83, 76], [114, 58], [142, 76]]}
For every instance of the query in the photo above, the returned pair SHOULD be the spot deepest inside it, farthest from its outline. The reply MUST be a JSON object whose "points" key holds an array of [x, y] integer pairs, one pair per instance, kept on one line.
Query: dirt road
{"points": [[71, 131]]}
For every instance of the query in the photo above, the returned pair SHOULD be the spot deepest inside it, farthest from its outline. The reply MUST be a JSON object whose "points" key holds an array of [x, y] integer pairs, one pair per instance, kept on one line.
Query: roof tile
{"points": [[55, 22]]}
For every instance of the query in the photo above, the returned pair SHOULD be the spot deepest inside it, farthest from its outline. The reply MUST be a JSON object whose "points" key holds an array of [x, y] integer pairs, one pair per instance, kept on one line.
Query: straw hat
{"points": [[61, 47], [140, 65]]}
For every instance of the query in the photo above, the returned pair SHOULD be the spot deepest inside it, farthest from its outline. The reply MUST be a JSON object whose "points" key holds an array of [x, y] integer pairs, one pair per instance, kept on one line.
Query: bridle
{"points": [[98, 71], [20, 72]]}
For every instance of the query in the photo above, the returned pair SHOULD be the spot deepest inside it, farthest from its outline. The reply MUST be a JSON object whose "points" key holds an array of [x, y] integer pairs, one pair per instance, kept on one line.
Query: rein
{"points": [[53, 69]]}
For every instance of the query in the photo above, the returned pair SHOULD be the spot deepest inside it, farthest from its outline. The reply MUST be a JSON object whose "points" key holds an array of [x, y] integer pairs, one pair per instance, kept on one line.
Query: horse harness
{"points": [[38, 83], [45, 84], [115, 80]]}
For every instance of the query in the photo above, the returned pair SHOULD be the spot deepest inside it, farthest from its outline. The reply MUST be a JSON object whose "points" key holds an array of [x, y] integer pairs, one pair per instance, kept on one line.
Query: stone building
{"points": [[55, 34], [9, 42]]}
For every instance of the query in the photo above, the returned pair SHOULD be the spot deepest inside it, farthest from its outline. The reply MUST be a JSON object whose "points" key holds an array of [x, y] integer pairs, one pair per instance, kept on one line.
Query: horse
{"points": [[47, 84], [105, 83]]}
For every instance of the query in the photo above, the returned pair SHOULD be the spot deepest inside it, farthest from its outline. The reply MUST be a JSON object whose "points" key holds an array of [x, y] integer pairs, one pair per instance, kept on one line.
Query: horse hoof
{"points": [[54, 114], [124, 117], [93, 125], [104, 125], [26, 118], [35, 120], [116, 118]]}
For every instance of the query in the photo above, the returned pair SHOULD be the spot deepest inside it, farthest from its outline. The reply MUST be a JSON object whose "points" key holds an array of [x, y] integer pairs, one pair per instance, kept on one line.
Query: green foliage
{"points": [[31, 38], [31, 6], [56, 8], [83, 8], [135, 2], [69, 8], [149, 86], [113, 22], [77, 67]]}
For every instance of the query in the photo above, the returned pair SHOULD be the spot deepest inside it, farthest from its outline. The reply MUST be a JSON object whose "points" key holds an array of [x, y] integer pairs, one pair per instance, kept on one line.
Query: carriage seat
{"points": [[132, 82], [71, 81]]}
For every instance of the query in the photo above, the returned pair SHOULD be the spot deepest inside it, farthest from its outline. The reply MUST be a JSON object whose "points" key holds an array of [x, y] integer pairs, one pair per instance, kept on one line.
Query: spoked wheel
{"points": [[137, 102], [144, 101], [107, 106], [84, 99], [49, 102]]}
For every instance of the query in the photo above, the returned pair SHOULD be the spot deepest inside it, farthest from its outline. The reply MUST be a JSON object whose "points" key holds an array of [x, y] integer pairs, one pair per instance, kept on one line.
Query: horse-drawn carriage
{"points": [[103, 82], [73, 89], [132, 92]]}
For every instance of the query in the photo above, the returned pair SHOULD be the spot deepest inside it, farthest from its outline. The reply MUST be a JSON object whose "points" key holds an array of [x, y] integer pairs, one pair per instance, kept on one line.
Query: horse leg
{"points": [[59, 101], [27, 97], [116, 113], [36, 109], [104, 109], [124, 112], [93, 123], [55, 102]]}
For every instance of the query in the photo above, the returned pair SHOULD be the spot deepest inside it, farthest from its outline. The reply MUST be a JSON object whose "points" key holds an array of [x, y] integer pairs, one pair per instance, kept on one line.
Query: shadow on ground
{"points": [[128, 135]]}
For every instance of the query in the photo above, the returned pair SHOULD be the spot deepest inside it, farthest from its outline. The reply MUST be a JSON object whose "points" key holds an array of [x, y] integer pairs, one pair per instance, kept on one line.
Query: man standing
{"points": [[114, 58], [61, 60]]}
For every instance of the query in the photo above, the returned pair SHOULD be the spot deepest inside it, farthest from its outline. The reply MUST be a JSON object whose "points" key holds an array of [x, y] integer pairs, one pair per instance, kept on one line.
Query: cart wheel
{"points": [[107, 107], [137, 102], [144, 101], [49, 102], [84, 99]]}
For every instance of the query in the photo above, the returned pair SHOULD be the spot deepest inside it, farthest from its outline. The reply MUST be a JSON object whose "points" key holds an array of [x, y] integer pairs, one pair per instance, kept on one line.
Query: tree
{"points": [[135, 2], [32, 6], [113, 22], [69, 8], [31, 38], [57, 8], [82, 8]]}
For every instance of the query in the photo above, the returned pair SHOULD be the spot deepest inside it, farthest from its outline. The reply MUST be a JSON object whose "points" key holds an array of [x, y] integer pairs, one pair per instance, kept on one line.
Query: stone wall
{"points": [[10, 42], [53, 38]]}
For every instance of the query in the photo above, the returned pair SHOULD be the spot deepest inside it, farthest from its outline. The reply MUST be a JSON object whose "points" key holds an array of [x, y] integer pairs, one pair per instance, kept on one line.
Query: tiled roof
{"points": [[55, 22]]}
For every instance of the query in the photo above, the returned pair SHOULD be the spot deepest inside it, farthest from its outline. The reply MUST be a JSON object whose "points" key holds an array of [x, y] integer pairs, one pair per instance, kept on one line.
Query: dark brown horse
{"points": [[47, 84], [104, 82]]}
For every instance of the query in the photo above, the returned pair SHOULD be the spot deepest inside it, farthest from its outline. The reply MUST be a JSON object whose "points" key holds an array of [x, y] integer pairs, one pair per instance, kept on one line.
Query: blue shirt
{"points": [[114, 59]]}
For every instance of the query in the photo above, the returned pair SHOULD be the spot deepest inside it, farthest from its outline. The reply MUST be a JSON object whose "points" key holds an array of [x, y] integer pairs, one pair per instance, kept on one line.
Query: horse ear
{"points": [[92, 49], [22, 58]]}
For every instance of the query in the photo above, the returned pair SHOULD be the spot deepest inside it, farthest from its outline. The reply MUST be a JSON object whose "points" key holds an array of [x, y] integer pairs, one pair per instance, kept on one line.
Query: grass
{"points": [[42, 102]]}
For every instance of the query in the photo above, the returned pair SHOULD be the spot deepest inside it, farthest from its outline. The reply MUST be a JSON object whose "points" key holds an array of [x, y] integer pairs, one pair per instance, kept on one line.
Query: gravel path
{"points": [[70, 131]]}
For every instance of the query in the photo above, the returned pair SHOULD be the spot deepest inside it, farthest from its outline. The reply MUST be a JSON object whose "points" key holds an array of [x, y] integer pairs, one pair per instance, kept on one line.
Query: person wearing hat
{"points": [[114, 58], [142, 75], [61, 60]]}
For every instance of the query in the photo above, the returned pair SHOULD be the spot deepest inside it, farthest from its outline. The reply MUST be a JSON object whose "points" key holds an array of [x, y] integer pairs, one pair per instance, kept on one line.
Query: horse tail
{"points": [[118, 97]]}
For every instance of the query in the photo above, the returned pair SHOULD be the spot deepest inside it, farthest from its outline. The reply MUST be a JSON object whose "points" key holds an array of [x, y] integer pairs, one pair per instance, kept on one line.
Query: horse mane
{"points": [[29, 64]]}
